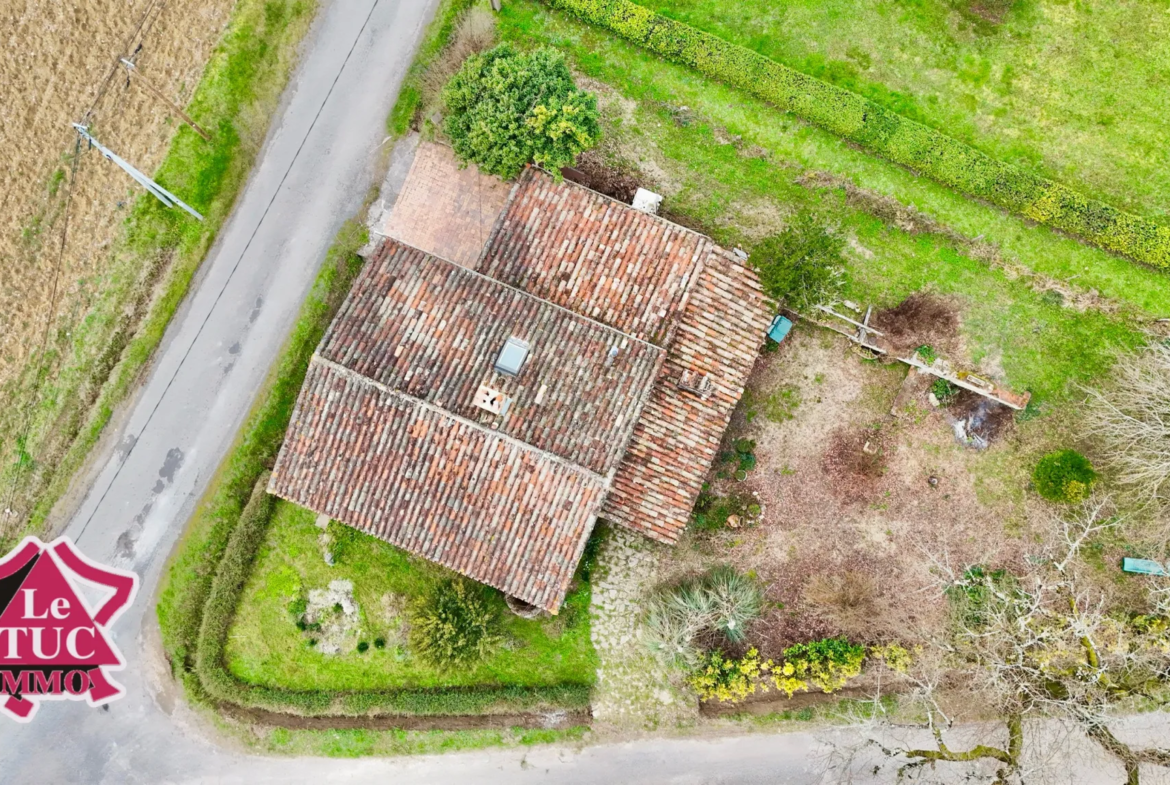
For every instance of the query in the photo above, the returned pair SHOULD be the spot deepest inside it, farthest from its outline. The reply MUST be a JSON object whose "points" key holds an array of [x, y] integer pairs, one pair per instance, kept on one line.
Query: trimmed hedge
{"points": [[881, 131], [221, 686]]}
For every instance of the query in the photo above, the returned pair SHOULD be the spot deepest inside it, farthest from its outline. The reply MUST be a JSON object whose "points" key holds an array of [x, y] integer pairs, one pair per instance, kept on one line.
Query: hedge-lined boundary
{"points": [[222, 687], [896, 138], [208, 571]]}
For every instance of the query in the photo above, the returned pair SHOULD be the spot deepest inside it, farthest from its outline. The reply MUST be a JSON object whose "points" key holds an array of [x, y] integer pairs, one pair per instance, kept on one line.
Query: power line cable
{"points": [[140, 29], [122, 53], [231, 274]]}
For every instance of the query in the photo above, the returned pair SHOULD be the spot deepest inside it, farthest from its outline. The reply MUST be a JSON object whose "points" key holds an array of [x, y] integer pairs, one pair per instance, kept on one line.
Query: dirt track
{"points": [[53, 67]]}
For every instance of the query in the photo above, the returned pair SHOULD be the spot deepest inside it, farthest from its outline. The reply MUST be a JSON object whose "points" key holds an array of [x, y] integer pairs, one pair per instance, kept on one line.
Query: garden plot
{"points": [[853, 478], [333, 613]]}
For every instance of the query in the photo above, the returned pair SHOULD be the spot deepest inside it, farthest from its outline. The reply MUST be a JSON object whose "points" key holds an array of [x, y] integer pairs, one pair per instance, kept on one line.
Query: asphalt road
{"points": [[315, 169], [313, 173]]}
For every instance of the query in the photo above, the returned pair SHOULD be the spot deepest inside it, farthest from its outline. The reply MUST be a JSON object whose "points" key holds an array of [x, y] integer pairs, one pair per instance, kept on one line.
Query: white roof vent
{"points": [[647, 201], [512, 357], [491, 400]]}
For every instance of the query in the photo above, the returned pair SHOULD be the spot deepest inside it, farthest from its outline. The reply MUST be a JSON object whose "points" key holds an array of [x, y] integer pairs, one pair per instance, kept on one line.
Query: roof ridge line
{"points": [[349, 373], [528, 295]]}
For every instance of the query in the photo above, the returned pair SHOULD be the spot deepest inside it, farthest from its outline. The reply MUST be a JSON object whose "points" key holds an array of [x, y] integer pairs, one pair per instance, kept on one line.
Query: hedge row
{"points": [[881, 131], [221, 686]]}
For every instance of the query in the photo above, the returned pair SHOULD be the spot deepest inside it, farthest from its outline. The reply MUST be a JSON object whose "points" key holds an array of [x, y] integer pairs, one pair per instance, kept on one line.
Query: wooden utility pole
{"points": [[133, 69]]}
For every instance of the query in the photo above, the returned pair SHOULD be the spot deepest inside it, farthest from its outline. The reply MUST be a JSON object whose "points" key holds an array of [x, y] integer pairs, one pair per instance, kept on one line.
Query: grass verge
{"points": [[360, 743], [410, 97], [111, 346]]}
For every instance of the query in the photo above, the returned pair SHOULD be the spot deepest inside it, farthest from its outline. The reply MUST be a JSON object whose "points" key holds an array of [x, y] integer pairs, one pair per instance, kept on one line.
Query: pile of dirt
{"points": [[922, 319], [592, 172], [855, 463]]}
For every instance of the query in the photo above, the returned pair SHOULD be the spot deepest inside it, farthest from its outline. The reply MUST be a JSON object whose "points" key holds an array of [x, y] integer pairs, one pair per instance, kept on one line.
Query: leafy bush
{"points": [[801, 266], [454, 625], [896, 138], [745, 456], [827, 664], [711, 511], [1064, 476], [718, 677], [926, 354], [506, 108], [973, 595], [944, 391], [896, 657], [363, 647], [721, 601]]}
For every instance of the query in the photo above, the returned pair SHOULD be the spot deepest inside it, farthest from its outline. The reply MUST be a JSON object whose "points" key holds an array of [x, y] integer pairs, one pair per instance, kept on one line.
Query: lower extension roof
{"points": [[437, 485]]}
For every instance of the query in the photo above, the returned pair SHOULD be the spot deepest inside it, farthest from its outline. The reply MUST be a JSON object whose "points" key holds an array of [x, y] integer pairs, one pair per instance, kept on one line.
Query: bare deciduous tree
{"points": [[1041, 648], [1132, 418]]}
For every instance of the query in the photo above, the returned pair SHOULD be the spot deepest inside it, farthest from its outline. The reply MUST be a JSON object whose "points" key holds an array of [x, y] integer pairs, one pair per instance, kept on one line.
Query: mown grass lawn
{"points": [[794, 147], [681, 128], [266, 647], [1072, 90]]}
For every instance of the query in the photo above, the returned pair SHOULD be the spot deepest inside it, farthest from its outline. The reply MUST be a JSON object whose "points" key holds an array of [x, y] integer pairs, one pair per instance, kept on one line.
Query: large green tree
{"points": [[505, 109], [802, 266]]}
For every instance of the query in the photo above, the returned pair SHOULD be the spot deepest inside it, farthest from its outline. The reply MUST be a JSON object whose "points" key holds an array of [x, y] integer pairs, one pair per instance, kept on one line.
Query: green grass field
{"points": [[795, 147], [681, 129], [1072, 90], [266, 647]]}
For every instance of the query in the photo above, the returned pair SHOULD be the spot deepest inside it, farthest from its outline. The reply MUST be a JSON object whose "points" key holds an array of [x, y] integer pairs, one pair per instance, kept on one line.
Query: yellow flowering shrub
{"points": [[727, 679], [897, 658]]}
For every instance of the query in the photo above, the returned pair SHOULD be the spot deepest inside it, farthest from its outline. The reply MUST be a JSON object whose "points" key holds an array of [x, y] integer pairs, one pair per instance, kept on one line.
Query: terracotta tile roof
{"points": [[387, 437], [678, 435], [594, 256], [425, 480], [432, 329]]}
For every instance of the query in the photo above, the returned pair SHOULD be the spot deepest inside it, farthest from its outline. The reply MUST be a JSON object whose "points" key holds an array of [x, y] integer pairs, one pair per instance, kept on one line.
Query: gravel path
{"points": [[633, 688]]}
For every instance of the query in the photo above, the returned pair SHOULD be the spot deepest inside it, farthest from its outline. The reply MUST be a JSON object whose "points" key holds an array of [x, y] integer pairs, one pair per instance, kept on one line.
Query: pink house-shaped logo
{"points": [[53, 646]]}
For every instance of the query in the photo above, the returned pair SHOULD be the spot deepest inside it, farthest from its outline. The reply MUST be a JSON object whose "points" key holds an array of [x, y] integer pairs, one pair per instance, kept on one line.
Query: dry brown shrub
{"points": [[919, 320], [846, 597], [475, 32], [592, 171], [855, 462], [853, 601]]}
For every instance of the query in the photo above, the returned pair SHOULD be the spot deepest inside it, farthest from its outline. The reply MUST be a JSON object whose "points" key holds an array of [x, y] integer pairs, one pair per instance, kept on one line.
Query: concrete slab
{"points": [[445, 210]]}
